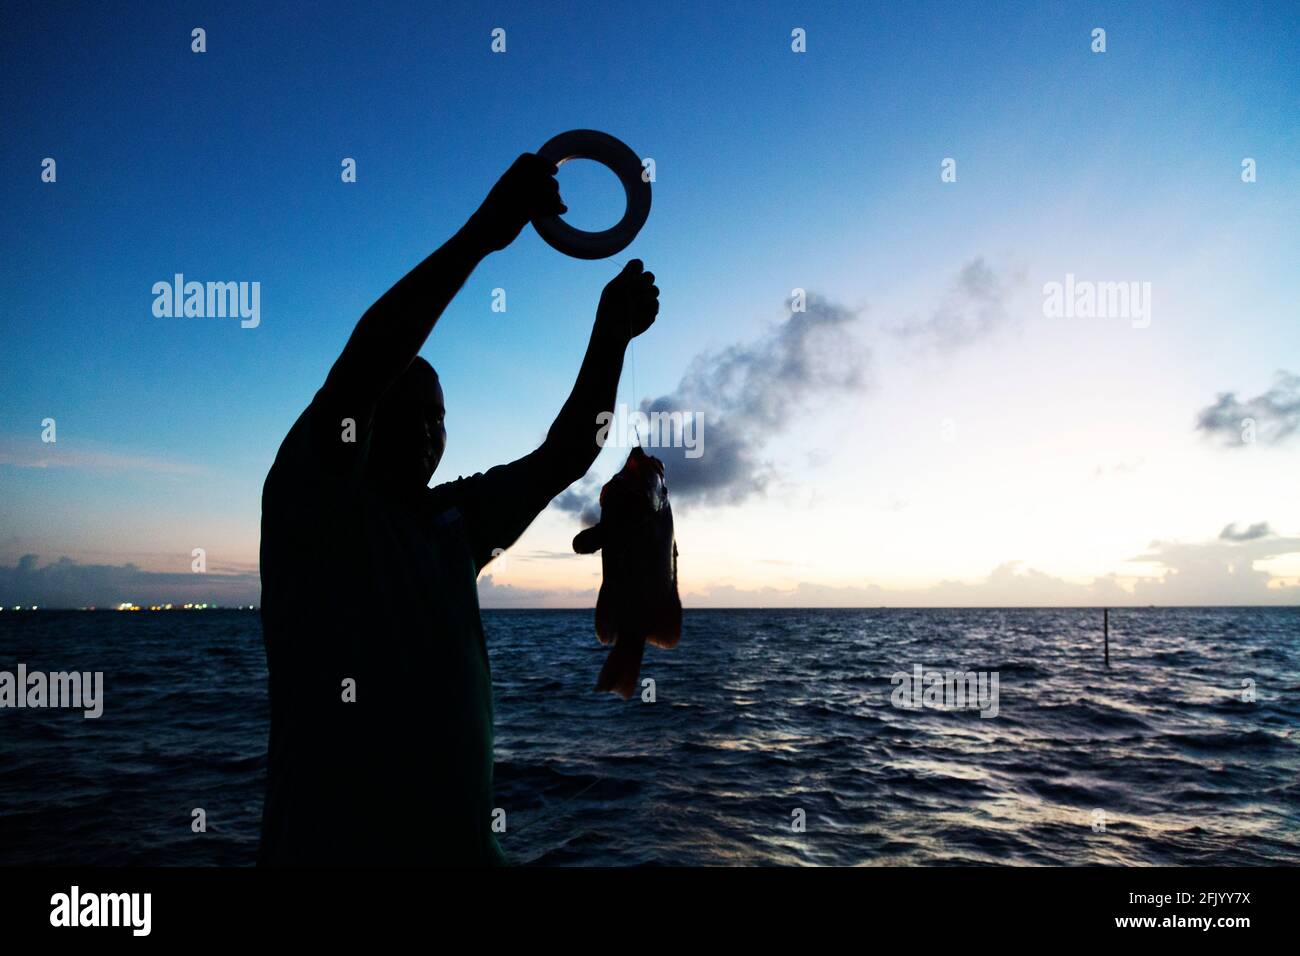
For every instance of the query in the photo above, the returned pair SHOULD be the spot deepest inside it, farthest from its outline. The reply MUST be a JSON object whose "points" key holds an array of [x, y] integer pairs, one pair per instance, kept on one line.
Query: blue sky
{"points": [[775, 171]]}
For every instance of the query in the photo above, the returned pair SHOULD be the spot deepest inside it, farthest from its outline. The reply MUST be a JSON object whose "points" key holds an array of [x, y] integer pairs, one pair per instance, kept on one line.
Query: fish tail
{"points": [[622, 667]]}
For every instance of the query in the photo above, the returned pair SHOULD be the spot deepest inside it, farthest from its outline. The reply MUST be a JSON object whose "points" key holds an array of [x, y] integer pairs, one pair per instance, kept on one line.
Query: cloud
{"points": [[1230, 532], [493, 595], [1119, 469], [37, 454], [1217, 572], [972, 308], [1010, 584], [68, 583], [1188, 574], [1275, 414], [749, 393], [582, 499]]}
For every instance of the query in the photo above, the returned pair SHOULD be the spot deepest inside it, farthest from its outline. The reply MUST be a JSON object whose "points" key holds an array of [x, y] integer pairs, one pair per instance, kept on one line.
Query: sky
{"points": [[893, 413]]}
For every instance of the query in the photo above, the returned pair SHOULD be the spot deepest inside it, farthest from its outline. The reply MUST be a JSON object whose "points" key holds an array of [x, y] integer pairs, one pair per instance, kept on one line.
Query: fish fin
{"points": [[666, 638], [589, 540], [622, 667], [668, 629]]}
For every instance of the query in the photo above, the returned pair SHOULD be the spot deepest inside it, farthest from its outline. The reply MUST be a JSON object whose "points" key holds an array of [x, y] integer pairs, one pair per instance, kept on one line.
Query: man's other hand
{"points": [[630, 302]]}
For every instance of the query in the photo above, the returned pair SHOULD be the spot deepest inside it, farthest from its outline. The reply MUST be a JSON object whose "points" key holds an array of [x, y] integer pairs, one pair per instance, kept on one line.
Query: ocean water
{"points": [[761, 717]]}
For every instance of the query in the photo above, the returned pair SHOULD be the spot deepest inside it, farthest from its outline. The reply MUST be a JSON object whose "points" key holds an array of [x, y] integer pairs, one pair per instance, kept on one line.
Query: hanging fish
{"points": [[638, 599]]}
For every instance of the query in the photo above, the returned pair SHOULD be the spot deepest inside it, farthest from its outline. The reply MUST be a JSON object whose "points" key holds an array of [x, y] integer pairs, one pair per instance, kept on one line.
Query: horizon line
{"points": [[19, 609]]}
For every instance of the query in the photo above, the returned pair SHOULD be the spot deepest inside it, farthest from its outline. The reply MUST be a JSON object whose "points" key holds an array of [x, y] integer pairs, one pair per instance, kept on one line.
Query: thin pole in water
{"points": [[1105, 628]]}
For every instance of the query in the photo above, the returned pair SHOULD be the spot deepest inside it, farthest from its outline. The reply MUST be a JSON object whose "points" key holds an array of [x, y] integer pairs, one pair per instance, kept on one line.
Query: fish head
{"points": [[639, 487], [637, 492]]}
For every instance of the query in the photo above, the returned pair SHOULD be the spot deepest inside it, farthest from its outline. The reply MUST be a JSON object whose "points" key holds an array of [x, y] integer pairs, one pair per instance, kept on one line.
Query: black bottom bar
{"points": [[591, 905]]}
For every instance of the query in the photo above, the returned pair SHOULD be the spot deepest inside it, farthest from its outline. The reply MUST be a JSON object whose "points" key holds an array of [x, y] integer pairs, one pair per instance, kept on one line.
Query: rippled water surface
{"points": [[757, 714]]}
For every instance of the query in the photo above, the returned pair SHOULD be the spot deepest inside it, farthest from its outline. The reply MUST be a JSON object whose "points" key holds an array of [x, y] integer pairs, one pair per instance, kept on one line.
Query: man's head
{"points": [[409, 436]]}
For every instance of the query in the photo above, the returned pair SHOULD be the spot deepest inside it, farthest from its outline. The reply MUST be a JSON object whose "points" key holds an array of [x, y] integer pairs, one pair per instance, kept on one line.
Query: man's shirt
{"points": [[365, 597]]}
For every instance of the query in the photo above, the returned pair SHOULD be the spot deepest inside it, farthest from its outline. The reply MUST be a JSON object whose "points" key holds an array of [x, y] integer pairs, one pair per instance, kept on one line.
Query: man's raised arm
{"points": [[392, 331], [628, 307]]}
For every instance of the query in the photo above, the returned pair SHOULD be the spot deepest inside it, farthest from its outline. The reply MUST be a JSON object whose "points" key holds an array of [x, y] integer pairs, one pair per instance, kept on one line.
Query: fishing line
{"points": [[631, 355], [559, 806], [631, 360]]}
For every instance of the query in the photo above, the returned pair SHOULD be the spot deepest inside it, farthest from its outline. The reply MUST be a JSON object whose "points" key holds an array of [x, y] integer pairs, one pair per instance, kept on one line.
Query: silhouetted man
{"points": [[381, 695]]}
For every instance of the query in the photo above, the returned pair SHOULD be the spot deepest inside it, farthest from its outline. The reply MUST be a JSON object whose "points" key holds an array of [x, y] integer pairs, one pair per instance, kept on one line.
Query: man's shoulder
{"points": [[450, 500], [320, 450], [294, 454]]}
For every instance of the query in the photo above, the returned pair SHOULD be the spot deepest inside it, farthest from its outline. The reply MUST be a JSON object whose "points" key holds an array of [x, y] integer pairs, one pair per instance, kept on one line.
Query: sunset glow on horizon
{"points": [[1026, 383]]}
